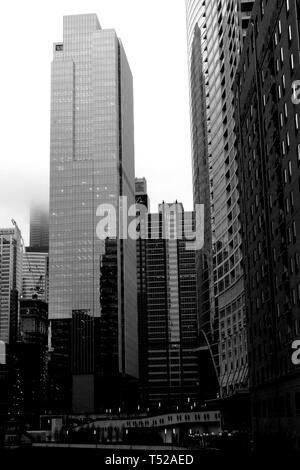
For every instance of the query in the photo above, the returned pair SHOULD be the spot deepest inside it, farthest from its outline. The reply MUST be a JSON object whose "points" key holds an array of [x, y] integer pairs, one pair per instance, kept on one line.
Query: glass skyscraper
{"points": [[168, 307], [92, 299], [39, 227], [10, 283], [215, 36]]}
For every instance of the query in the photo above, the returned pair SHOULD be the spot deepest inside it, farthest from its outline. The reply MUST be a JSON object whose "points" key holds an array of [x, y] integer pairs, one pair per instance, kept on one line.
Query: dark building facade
{"points": [[269, 176], [31, 353], [168, 322], [142, 199]]}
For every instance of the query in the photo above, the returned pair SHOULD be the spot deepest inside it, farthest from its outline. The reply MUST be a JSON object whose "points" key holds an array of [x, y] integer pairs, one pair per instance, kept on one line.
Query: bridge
{"points": [[170, 427]]}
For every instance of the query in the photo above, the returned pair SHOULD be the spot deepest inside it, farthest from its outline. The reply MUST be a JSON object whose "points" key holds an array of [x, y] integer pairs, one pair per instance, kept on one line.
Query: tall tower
{"points": [[10, 283], [168, 309], [92, 302], [39, 227], [215, 36], [269, 175]]}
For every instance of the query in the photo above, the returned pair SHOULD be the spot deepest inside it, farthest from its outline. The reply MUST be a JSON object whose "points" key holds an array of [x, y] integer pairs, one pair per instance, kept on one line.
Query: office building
{"points": [[10, 283], [168, 309], [269, 175], [142, 199], [93, 298], [39, 227], [216, 30], [31, 354], [35, 275], [141, 195]]}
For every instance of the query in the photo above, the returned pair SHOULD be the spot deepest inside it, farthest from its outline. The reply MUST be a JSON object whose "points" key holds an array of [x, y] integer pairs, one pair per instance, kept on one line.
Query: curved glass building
{"points": [[215, 30]]}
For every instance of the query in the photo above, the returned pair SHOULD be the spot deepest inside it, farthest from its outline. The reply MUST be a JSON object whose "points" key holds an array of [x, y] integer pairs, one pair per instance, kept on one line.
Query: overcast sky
{"points": [[154, 36]]}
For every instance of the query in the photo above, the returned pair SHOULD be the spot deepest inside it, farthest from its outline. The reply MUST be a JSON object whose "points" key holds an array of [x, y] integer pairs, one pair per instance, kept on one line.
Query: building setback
{"points": [[92, 302], [269, 176]]}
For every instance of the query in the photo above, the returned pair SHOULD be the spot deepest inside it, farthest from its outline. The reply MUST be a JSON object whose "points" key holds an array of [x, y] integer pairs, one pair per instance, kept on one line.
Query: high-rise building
{"points": [[92, 301], [35, 275], [141, 195], [216, 29], [142, 199], [10, 283], [168, 308], [31, 354], [39, 227], [269, 174]]}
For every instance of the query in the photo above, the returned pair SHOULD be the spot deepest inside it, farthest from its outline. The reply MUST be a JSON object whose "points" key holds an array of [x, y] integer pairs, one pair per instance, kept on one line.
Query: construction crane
{"points": [[37, 285]]}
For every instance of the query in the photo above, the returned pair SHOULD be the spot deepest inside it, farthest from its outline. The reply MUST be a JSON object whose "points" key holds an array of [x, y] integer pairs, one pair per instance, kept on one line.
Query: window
{"points": [[281, 120], [281, 55], [294, 296], [292, 200], [294, 231], [292, 265], [290, 170]]}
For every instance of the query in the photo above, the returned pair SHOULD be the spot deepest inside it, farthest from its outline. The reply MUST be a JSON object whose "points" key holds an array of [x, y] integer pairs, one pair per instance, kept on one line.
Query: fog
{"points": [[154, 36]]}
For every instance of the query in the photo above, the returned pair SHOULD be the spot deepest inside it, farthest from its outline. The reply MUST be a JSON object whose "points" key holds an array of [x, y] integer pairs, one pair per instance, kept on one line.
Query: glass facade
{"points": [[39, 227], [215, 36], [10, 283], [92, 163], [168, 308]]}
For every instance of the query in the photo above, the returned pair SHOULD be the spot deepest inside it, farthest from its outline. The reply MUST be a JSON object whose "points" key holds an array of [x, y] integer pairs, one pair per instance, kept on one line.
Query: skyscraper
{"points": [[39, 227], [10, 283], [35, 275], [168, 309], [92, 303], [269, 175], [215, 37], [141, 196]]}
